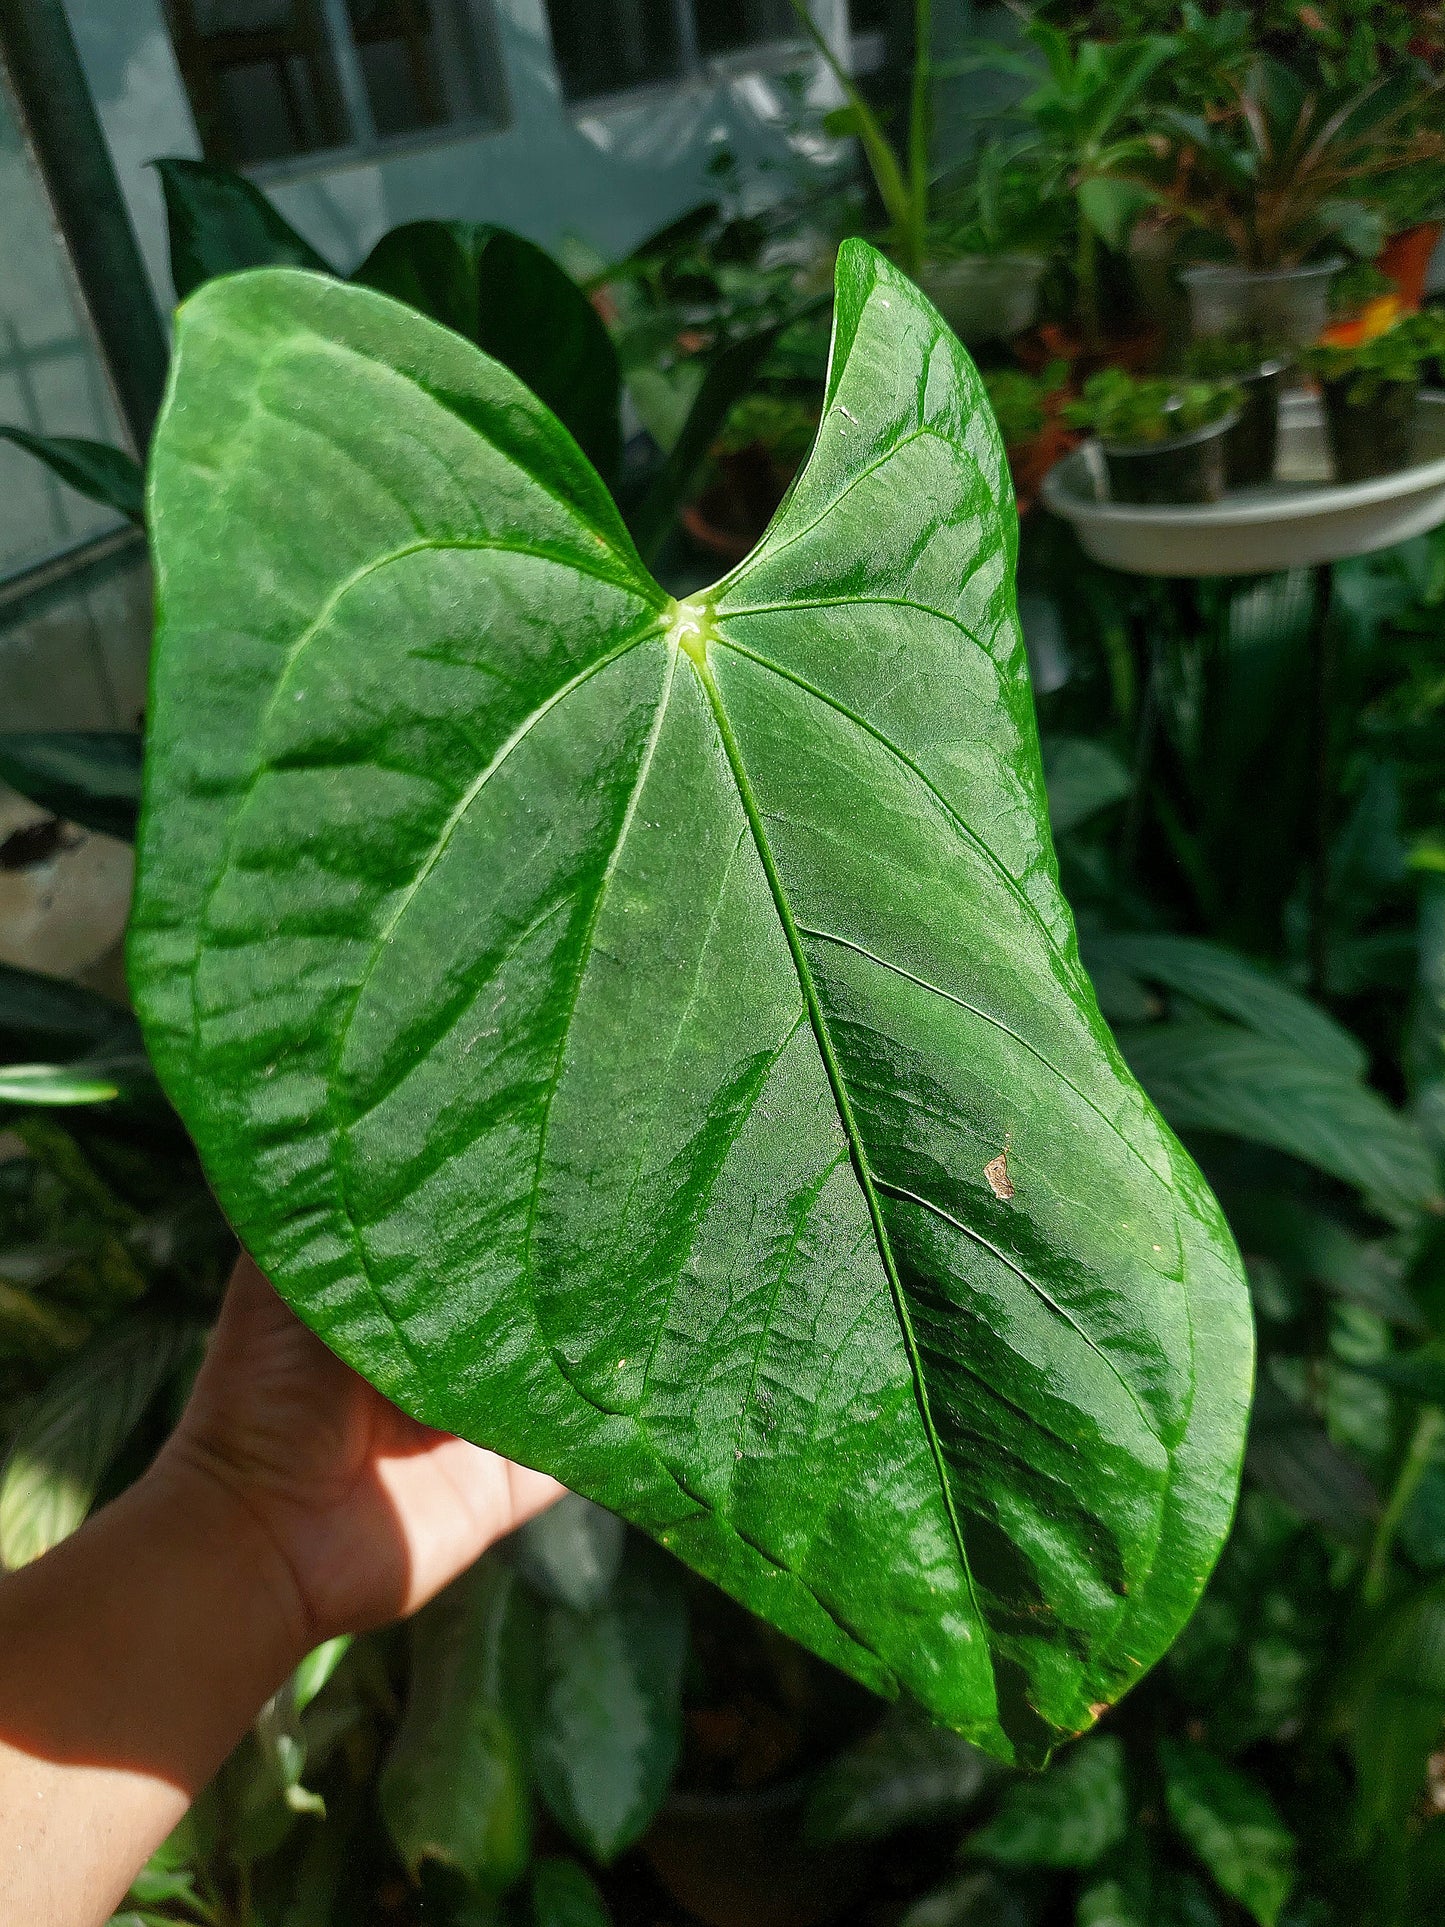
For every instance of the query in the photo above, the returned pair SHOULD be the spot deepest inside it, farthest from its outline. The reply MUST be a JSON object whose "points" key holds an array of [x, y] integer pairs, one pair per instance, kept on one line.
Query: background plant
{"points": [[1203, 855]]}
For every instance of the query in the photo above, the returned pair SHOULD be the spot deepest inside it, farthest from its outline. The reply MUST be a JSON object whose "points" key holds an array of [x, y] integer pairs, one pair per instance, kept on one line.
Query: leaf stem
{"points": [[920, 119], [887, 172], [1429, 1428]]}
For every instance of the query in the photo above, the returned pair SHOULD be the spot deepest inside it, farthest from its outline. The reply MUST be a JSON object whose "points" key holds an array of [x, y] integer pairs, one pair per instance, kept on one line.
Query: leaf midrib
{"points": [[842, 1102]]}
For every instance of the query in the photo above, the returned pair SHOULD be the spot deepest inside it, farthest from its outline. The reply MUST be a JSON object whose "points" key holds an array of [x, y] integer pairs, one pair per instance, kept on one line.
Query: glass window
{"points": [[261, 75], [727, 26], [270, 79], [419, 63], [605, 46], [51, 379]]}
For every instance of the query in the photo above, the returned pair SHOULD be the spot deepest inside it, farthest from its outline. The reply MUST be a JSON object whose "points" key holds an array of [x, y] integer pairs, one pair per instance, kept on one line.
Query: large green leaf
{"points": [[511, 298], [647, 1037]]}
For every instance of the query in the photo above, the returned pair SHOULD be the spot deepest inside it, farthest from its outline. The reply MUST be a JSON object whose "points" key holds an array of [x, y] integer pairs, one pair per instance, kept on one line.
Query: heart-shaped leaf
{"points": [[647, 1037]]}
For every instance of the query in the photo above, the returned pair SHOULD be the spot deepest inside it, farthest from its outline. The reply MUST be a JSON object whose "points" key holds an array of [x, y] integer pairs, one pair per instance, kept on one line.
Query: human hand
{"points": [[369, 1512], [292, 1503]]}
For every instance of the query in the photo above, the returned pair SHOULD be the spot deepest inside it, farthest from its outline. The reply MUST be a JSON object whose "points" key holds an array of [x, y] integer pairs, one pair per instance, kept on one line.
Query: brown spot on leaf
{"points": [[999, 1181]]}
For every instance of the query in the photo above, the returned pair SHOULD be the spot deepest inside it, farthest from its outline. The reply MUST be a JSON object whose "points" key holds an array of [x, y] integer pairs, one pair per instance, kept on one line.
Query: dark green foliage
{"points": [[512, 299], [90, 777], [219, 223], [1395, 358], [1132, 410], [105, 474]]}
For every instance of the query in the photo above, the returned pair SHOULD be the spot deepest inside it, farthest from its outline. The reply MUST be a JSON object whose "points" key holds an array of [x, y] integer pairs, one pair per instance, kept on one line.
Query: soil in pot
{"points": [[1373, 437], [1185, 469], [1250, 447]]}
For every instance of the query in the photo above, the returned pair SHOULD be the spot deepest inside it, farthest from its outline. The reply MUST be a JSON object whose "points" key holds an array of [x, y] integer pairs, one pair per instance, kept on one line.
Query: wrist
{"points": [[224, 1529]]}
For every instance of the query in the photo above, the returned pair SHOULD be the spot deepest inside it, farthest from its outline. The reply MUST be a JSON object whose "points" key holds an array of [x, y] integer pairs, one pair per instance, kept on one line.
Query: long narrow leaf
{"points": [[96, 469], [1207, 1076], [1230, 984], [68, 1440], [91, 777]]}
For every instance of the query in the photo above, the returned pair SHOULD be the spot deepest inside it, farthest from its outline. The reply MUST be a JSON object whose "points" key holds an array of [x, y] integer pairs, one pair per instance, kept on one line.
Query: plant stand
{"points": [[1300, 520]]}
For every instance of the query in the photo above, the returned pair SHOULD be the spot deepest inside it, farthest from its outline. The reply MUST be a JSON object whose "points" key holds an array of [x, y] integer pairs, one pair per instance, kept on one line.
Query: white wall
{"points": [[608, 174]]}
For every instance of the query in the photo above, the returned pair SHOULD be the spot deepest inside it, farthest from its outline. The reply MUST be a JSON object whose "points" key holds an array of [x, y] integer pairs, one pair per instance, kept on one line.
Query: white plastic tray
{"points": [[1300, 518]]}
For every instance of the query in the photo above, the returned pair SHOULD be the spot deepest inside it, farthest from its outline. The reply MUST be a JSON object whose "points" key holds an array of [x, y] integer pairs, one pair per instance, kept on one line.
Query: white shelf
{"points": [[1299, 519]]}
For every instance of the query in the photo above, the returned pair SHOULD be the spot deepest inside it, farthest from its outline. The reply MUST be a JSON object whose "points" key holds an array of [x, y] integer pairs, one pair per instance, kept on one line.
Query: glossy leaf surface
{"points": [[647, 1037]]}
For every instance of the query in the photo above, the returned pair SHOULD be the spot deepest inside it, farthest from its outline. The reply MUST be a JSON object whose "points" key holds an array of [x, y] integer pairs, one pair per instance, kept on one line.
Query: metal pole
{"points": [[65, 135]]}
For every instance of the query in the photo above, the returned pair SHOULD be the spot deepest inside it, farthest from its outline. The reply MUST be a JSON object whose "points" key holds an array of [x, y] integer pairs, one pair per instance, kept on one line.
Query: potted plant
{"points": [[1284, 178], [1257, 369], [1163, 440], [753, 460], [1087, 122], [988, 251], [1370, 383]]}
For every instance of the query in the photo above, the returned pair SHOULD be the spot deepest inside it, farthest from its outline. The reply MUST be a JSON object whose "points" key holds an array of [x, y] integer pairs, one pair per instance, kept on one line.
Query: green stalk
{"points": [[1429, 1428], [920, 129], [887, 171], [1086, 274]]}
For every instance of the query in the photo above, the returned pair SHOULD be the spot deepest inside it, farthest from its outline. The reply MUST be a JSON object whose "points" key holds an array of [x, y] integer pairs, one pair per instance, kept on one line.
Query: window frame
{"points": [[366, 144], [697, 68], [99, 256]]}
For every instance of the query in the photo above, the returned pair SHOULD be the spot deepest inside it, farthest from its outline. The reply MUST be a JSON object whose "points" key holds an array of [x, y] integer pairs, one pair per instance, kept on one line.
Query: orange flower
{"points": [[1377, 317]]}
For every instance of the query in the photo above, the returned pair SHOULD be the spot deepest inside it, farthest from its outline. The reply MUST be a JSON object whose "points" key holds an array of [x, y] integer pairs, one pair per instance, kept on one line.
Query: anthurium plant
{"points": [[646, 1035]]}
